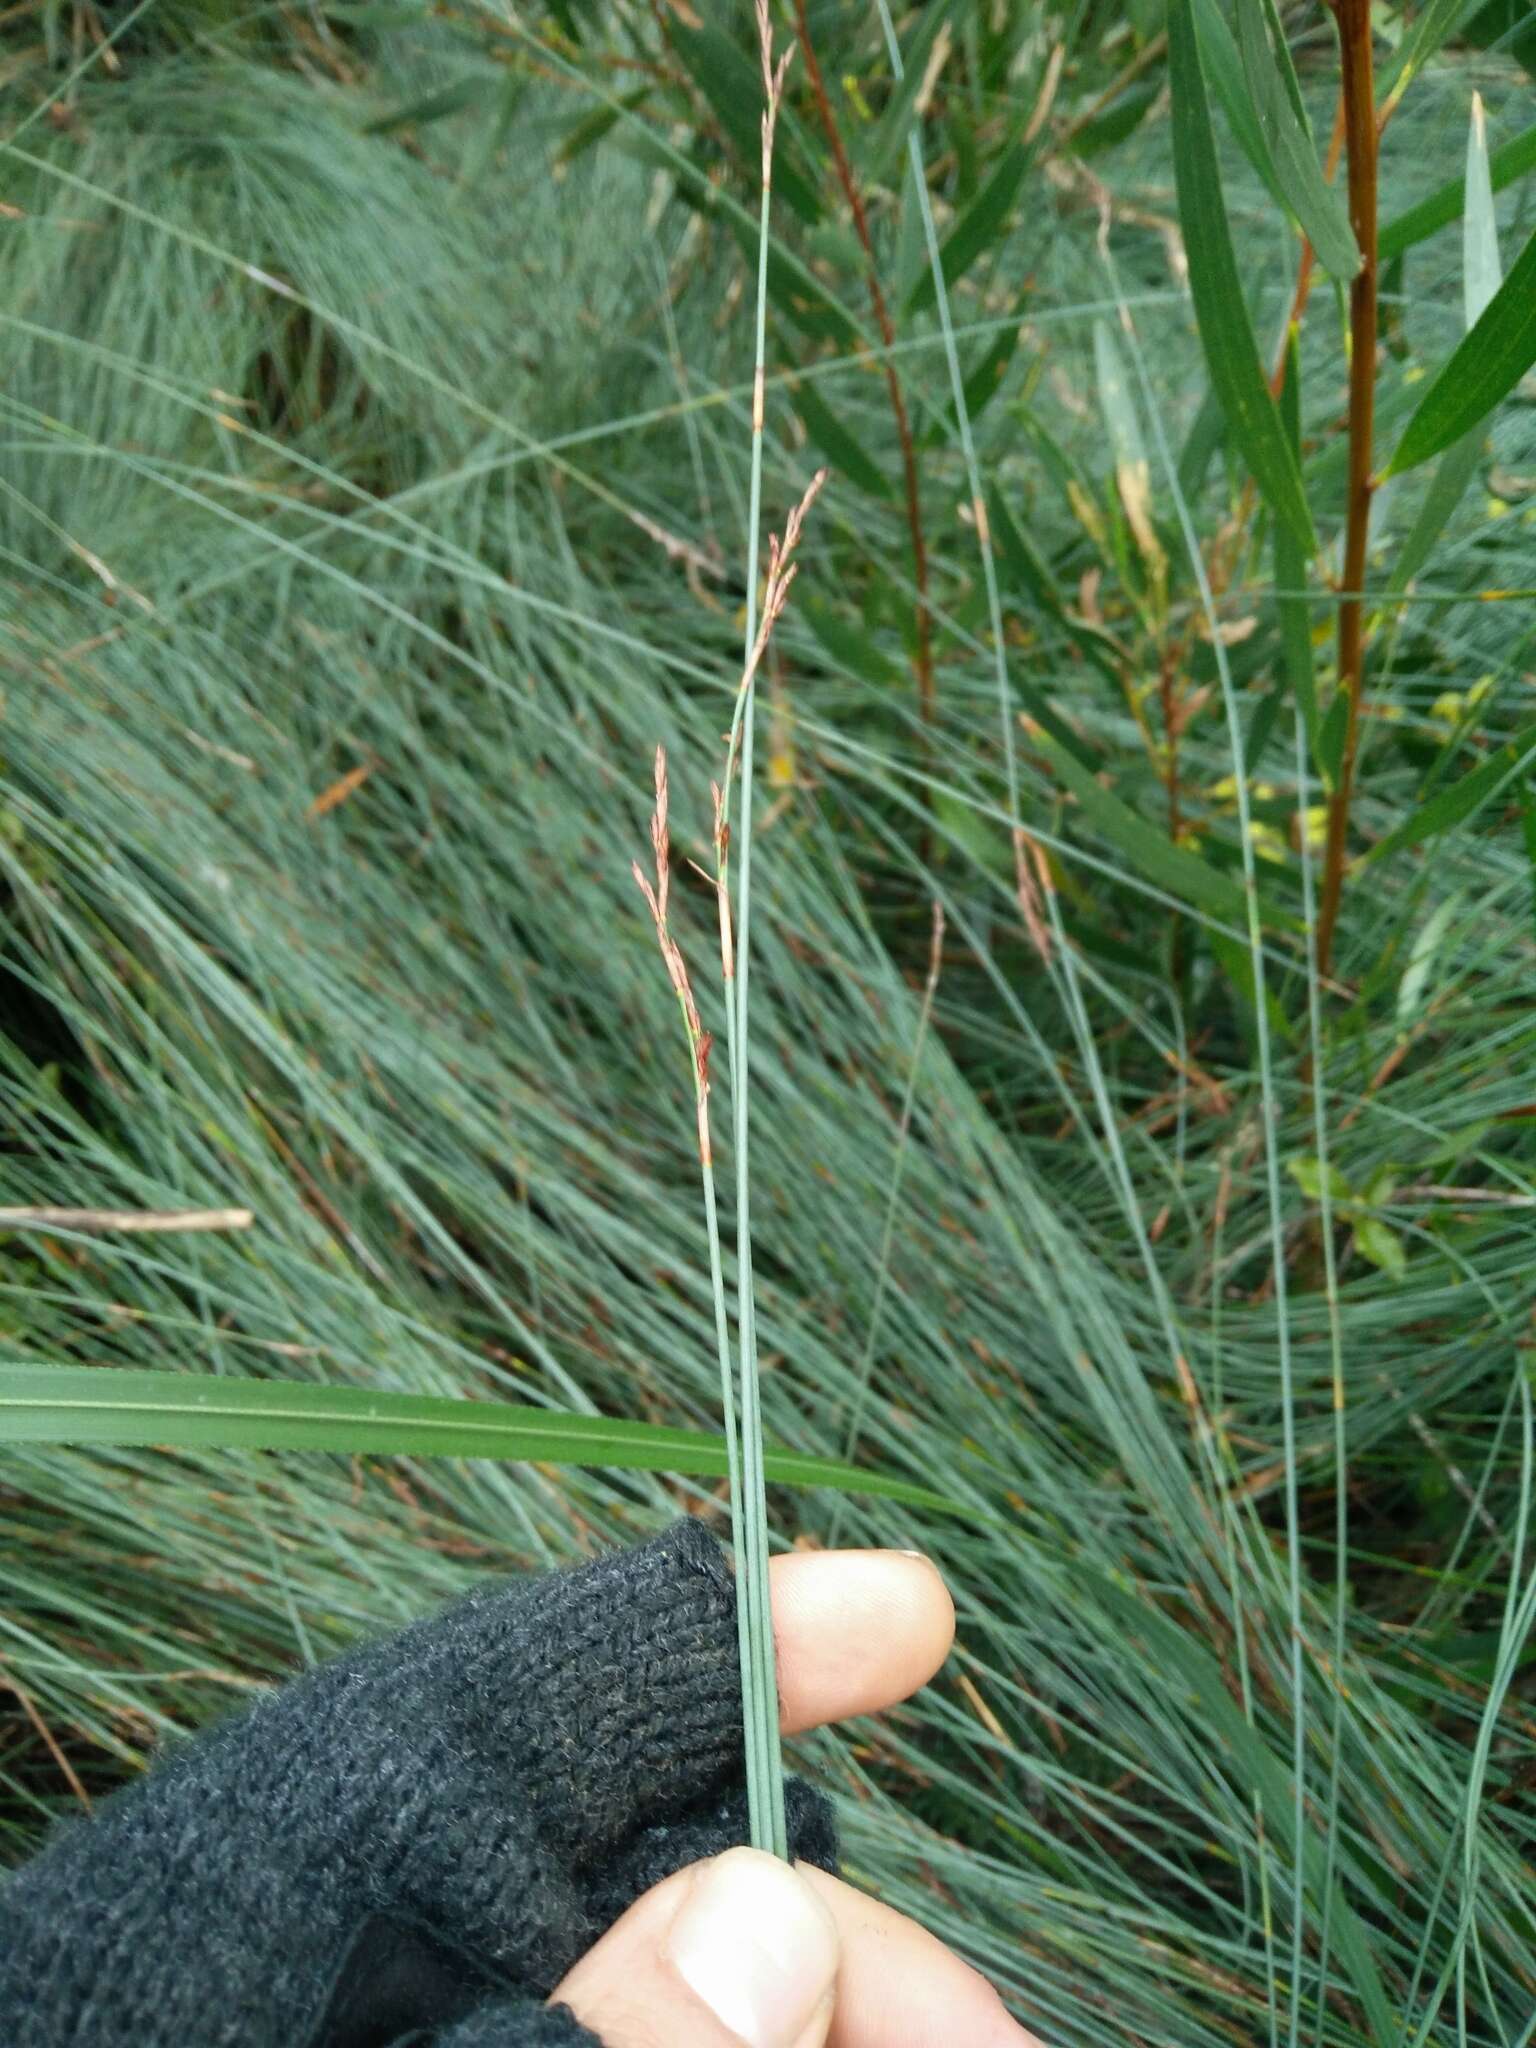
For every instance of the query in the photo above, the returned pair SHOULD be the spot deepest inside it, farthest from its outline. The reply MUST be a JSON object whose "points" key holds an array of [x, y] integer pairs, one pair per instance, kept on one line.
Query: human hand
{"points": [[742, 1949]]}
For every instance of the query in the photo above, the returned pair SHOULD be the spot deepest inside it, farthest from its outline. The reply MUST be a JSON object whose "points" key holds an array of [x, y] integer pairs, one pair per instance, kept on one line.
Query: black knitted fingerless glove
{"points": [[414, 1843]]}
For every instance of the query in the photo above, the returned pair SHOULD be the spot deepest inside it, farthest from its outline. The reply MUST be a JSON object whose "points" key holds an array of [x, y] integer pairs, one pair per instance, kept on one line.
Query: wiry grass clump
{"points": [[374, 485]]}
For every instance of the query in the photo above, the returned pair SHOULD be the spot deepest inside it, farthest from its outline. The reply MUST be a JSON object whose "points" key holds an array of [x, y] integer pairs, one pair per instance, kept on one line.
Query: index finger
{"points": [[900, 1987]]}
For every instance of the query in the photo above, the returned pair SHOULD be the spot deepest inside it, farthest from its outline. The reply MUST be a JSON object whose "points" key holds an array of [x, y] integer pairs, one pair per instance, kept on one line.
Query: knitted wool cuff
{"points": [[514, 2026], [505, 1778]]}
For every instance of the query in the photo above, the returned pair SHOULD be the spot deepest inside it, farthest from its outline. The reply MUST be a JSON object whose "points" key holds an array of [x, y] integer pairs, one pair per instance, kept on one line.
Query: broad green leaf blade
{"points": [[1435, 25], [1316, 205], [842, 450], [1447, 488], [1291, 606], [1510, 161], [81, 1404], [1236, 962], [1201, 443], [1127, 447], [592, 127], [1481, 277], [1481, 274], [1220, 309], [1507, 27], [1024, 566], [1224, 70], [1133, 476], [979, 228], [1487, 365], [1463, 799], [1422, 958], [1174, 868], [981, 386], [454, 98], [1120, 118], [847, 644]]}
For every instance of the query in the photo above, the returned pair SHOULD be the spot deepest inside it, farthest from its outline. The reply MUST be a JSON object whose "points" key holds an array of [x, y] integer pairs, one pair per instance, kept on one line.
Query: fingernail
{"points": [[754, 1942]]}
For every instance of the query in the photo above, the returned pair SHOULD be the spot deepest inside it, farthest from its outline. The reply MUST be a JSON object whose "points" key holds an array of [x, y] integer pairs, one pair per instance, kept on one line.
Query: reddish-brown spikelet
{"points": [[660, 840], [672, 959], [781, 574], [1032, 876], [722, 893], [646, 890]]}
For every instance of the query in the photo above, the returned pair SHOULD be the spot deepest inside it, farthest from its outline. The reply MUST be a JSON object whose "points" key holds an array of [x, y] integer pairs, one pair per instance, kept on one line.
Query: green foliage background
{"points": [[372, 499]]}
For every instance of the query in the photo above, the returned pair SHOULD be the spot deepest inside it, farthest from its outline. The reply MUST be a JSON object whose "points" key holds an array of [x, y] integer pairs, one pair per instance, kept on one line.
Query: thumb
{"points": [[738, 1950]]}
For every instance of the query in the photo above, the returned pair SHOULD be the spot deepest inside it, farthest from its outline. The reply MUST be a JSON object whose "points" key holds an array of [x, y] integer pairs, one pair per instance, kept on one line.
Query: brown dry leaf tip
{"points": [[796, 519], [760, 642], [338, 792], [722, 892], [659, 836], [702, 1046], [646, 890], [677, 974], [1033, 879], [701, 1111], [778, 593], [672, 959], [1042, 863]]}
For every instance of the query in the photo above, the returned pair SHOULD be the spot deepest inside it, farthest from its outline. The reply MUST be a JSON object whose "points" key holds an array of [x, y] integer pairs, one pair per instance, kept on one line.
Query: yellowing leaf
{"points": [[1268, 844], [1313, 822], [1307, 1172]]}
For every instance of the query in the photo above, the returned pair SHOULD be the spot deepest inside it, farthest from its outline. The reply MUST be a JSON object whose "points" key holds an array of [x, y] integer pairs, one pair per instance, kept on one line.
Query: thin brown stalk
{"points": [[1361, 138], [49, 1739], [923, 659]]}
